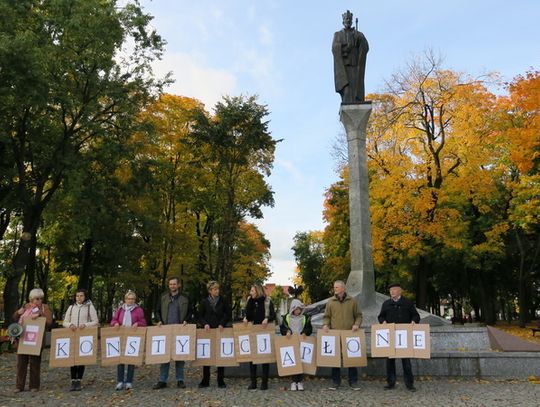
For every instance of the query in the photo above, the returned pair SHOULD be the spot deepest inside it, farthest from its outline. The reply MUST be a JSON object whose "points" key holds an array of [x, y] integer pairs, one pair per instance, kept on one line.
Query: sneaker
{"points": [[411, 389], [119, 386], [222, 385], [299, 386], [354, 386], [78, 385], [252, 386], [180, 384], [334, 386], [129, 386], [159, 385], [203, 385], [73, 386], [293, 386], [389, 387], [264, 386], [34, 390]]}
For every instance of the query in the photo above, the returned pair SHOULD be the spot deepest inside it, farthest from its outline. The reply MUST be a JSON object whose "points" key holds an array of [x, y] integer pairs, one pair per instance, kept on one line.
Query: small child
{"points": [[295, 322]]}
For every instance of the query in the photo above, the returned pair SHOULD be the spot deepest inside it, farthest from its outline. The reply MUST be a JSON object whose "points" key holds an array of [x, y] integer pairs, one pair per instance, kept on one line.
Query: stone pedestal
{"points": [[361, 281]]}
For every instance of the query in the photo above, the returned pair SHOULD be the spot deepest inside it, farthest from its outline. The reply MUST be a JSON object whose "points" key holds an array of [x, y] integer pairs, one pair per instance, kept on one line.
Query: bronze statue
{"points": [[350, 49]]}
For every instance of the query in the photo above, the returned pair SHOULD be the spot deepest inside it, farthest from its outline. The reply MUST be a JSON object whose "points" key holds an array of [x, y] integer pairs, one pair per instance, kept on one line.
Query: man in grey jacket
{"points": [[172, 308]]}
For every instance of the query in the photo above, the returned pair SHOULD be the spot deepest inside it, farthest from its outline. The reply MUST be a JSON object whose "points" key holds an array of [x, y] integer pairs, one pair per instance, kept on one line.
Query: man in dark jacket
{"points": [[398, 310], [172, 308]]}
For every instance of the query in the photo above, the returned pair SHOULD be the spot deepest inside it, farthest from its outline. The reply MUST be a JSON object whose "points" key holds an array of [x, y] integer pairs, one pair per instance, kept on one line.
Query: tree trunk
{"points": [[86, 267], [5, 217], [421, 283], [31, 268], [25, 255], [487, 300]]}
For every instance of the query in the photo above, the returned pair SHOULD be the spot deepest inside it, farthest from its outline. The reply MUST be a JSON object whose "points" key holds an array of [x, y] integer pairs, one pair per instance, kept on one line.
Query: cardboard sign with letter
{"points": [[111, 345], [205, 348], [184, 341], [382, 340], [421, 341], [32, 337], [158, 344], [308, 354], [133, 346], [62, 348], [262, 340], [328, 348], [225, 349], [288, 359], [353, 345], [86, 346], [242, 342], [403, 341]]}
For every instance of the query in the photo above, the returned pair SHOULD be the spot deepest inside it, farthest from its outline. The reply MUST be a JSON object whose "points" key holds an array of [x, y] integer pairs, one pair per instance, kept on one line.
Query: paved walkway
{"points": [[510, 343], [99, 385]]}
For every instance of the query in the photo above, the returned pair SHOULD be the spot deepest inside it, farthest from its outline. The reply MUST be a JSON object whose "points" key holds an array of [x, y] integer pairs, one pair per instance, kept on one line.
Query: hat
{"points": [[394, 285]]}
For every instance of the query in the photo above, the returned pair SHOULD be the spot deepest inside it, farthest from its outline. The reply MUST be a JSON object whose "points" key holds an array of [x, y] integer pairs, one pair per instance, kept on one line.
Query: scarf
{"points": [[27, 312], [213, 302], [127, 314]]}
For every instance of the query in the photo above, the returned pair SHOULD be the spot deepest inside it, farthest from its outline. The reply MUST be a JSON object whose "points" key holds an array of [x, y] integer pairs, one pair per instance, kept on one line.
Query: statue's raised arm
{"points": [[350, 49]]}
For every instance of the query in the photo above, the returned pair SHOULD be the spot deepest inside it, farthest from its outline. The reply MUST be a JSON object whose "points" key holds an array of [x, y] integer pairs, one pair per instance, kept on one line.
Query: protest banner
{"points": [[329, 348], [353, 345], [287, 350]]}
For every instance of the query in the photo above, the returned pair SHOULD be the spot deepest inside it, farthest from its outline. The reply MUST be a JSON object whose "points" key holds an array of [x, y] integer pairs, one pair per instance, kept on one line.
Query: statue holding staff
{"points": [[350, 49]]}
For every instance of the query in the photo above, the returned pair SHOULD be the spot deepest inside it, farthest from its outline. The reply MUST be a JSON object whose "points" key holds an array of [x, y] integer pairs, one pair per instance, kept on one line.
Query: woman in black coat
{"points": [[259, 311], [214, 312]]}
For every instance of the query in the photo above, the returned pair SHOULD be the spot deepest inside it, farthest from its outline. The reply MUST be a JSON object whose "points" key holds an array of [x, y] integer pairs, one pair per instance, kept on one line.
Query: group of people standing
{"points": [[342, 312]]}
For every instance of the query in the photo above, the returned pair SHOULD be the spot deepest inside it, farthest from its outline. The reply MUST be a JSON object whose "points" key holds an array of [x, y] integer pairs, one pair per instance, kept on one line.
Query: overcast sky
{"points": [[280, 50]]}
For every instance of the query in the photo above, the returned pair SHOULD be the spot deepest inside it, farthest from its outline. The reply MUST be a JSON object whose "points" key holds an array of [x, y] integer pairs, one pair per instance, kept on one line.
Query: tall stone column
{"points": [[361, 281]]}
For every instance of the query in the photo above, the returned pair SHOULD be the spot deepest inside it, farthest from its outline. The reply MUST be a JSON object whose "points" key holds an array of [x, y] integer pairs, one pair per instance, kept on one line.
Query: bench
{"points": [[536, 328]]}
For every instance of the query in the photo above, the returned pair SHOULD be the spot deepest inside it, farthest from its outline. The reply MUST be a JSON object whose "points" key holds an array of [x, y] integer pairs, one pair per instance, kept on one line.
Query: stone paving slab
{"points": [[99, 382]]}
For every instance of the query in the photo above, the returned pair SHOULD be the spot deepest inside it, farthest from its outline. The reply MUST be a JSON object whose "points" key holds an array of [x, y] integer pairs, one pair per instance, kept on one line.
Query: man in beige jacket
{"points": [[342, 312]]}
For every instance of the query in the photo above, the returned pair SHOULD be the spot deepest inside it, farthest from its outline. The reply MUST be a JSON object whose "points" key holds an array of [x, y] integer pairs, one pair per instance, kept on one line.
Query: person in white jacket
{"points": [[79, 315]]}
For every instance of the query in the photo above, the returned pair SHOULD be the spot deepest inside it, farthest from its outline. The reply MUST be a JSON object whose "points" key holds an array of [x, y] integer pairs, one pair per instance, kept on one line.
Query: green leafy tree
{"points": [[236, 149], [65, 84], [309, 255]]}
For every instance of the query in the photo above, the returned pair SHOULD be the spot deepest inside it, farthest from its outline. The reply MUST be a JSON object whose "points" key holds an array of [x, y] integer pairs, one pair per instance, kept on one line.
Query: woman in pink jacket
{"points": [[129, 314]]}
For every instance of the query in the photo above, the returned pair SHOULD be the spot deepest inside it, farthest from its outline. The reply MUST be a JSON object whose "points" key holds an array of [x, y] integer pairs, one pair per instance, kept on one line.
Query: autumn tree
{"points": [[521, 158]]}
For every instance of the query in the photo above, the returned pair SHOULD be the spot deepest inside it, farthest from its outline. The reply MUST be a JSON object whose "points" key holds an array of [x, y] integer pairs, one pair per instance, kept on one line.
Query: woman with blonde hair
{"points": [[259, 311], [129, 314], [31, 310]]}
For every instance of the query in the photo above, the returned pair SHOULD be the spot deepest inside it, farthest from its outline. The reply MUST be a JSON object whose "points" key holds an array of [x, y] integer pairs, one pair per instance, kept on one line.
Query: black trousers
{"points": [[407, 372], [206, 375], [352, 372], [253, 372], [77, 372]]}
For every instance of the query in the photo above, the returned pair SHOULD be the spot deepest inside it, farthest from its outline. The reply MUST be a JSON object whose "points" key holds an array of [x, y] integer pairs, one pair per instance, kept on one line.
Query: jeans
{"points": [[120, 373], [164, 371], [336, 375], [407, 372]]}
